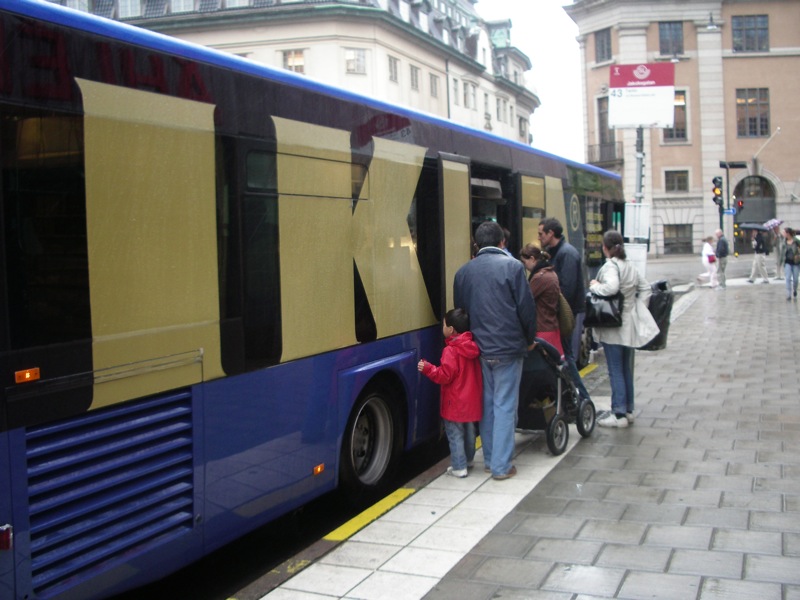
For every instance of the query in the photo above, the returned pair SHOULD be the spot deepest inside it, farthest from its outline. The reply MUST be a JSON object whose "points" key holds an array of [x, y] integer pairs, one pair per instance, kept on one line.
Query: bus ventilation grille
{"points": [[107, 485]]}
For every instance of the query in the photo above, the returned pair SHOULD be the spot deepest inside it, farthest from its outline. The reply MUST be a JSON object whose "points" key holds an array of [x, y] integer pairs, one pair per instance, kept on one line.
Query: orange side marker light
{"points": [[27, 375], [319, 469]]}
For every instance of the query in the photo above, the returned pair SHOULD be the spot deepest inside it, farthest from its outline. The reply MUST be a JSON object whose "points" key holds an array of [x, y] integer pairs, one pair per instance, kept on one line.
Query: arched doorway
{"points": [[757, 197]]}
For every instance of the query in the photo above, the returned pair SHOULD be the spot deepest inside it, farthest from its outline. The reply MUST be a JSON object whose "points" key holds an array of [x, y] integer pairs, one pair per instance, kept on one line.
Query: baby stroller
{"points": [[549, 401]]}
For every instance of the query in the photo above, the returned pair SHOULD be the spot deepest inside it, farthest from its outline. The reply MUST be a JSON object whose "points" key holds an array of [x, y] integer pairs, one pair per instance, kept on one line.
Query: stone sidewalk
{"points": [[700, 499]]}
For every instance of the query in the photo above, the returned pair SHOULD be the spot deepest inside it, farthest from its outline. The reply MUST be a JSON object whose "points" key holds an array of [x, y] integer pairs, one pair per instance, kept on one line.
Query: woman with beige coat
{"points": [[638, 326]]}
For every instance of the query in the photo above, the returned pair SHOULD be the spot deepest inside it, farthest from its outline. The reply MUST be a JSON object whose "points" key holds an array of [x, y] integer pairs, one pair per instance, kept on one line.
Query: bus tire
{"points": [[371, 445]]}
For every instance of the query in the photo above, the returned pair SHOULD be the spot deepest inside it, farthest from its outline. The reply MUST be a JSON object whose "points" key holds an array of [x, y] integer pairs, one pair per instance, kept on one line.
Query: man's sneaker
{"points": [[611, 420], [630, 418], [460, 473]]}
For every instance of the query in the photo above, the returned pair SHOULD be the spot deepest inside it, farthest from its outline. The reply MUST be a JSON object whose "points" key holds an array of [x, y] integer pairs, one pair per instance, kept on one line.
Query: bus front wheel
{"points": [[371, 445]]}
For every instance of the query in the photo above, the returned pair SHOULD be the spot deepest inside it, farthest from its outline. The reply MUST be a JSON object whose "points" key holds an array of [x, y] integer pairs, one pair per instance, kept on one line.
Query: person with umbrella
{"points": [[760, 252]]}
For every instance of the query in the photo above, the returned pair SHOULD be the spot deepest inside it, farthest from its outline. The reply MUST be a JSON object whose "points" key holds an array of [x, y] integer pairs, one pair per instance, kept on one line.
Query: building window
{"points": [[670, 38], [414, 77], [466, 94], [607, 138], [181, 6], [751, 33], [752, 112], [434, 86], [678, 239], [677, 133], [499, 110], [676, 181], [355, 60], [523, 128], [393, 66], [602, 45], [455, 92], [129, 8], [293, 60]]}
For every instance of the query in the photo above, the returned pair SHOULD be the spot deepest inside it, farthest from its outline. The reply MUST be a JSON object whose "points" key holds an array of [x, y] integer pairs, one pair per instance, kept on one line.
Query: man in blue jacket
{"points": [[493, 289], [567, 264]]}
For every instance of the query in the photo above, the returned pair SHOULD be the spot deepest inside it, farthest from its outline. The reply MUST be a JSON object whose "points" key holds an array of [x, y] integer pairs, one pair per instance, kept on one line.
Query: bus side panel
{"points": [[265, 431], [151, 227], [261, 464], [105, 501]]}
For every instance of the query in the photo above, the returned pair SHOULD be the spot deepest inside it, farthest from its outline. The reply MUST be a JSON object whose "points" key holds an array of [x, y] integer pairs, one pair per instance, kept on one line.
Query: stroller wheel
{"points": [[585, 419], [557, 435]]}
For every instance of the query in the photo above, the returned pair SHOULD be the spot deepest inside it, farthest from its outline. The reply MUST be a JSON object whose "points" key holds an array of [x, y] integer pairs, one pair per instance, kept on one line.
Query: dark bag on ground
{"points": [[660, 306], [603, 311]]}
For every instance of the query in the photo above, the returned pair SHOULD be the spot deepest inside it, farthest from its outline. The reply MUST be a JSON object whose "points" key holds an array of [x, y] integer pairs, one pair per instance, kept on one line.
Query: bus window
{"points": [[261, 171], [44, 221], [425, 226], [248, 256]]}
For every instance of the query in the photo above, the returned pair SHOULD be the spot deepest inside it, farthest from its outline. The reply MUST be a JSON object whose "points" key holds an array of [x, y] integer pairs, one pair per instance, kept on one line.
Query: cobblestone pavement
{"points": [[699, 499]]}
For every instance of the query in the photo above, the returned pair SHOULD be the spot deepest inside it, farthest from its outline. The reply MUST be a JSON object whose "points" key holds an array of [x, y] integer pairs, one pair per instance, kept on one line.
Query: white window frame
{"points": [[394, 69], [414, 73], [355, 61]]}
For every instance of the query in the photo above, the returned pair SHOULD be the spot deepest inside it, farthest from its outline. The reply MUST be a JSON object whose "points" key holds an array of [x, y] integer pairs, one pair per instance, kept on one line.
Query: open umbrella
{"points": [[757, 226], [773, 223]]}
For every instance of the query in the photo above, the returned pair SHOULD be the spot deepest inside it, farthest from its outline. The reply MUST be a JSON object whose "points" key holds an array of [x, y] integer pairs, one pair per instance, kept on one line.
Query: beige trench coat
{"points": [[638, 325]]}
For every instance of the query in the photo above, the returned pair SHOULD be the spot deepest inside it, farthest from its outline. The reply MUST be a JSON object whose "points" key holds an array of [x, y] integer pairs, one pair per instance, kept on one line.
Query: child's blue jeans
{"points": [[461, 437]]}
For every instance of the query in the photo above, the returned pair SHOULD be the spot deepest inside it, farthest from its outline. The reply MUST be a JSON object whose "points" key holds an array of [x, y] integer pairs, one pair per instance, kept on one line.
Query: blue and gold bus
{"points": [[216, 280]]}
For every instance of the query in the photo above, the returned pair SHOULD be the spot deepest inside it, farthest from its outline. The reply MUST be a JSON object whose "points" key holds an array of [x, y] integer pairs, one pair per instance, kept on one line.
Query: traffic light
{"points": [[739, 205], [717, 190]]}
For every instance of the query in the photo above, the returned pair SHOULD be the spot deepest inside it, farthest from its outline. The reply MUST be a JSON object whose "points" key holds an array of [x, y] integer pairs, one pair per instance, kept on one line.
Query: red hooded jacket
{"points": [[460, 378]]}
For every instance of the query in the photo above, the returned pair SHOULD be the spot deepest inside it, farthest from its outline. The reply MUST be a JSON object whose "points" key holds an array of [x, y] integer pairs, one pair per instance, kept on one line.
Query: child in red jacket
{"points": [[462, 389]]}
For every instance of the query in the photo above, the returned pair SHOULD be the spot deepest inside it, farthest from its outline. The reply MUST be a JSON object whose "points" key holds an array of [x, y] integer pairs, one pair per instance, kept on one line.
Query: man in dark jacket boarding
{"points": [[493, 289]]}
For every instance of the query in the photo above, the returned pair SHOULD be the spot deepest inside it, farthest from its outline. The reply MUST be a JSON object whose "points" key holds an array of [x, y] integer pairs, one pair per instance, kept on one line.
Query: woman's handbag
{"points": [[566, 320], [712, 259], [603, 311]]}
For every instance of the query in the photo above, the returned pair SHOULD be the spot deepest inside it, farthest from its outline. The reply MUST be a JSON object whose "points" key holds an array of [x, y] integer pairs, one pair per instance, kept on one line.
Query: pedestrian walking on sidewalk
{"points": [[494, 291], [779, 247], [722, 251], [760, 252], [638, 326], [709, 259], [791, 265], [459, 375]]}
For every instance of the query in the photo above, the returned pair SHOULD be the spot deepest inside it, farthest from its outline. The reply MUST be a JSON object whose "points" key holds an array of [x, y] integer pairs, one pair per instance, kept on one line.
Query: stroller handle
{"points": [[549, 350]]}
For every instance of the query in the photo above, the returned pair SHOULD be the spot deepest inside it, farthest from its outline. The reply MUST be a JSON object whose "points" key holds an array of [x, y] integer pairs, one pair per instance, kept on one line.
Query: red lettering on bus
{"points": [[191, 84], [106, 63], [155, 80], [54, 61]]}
